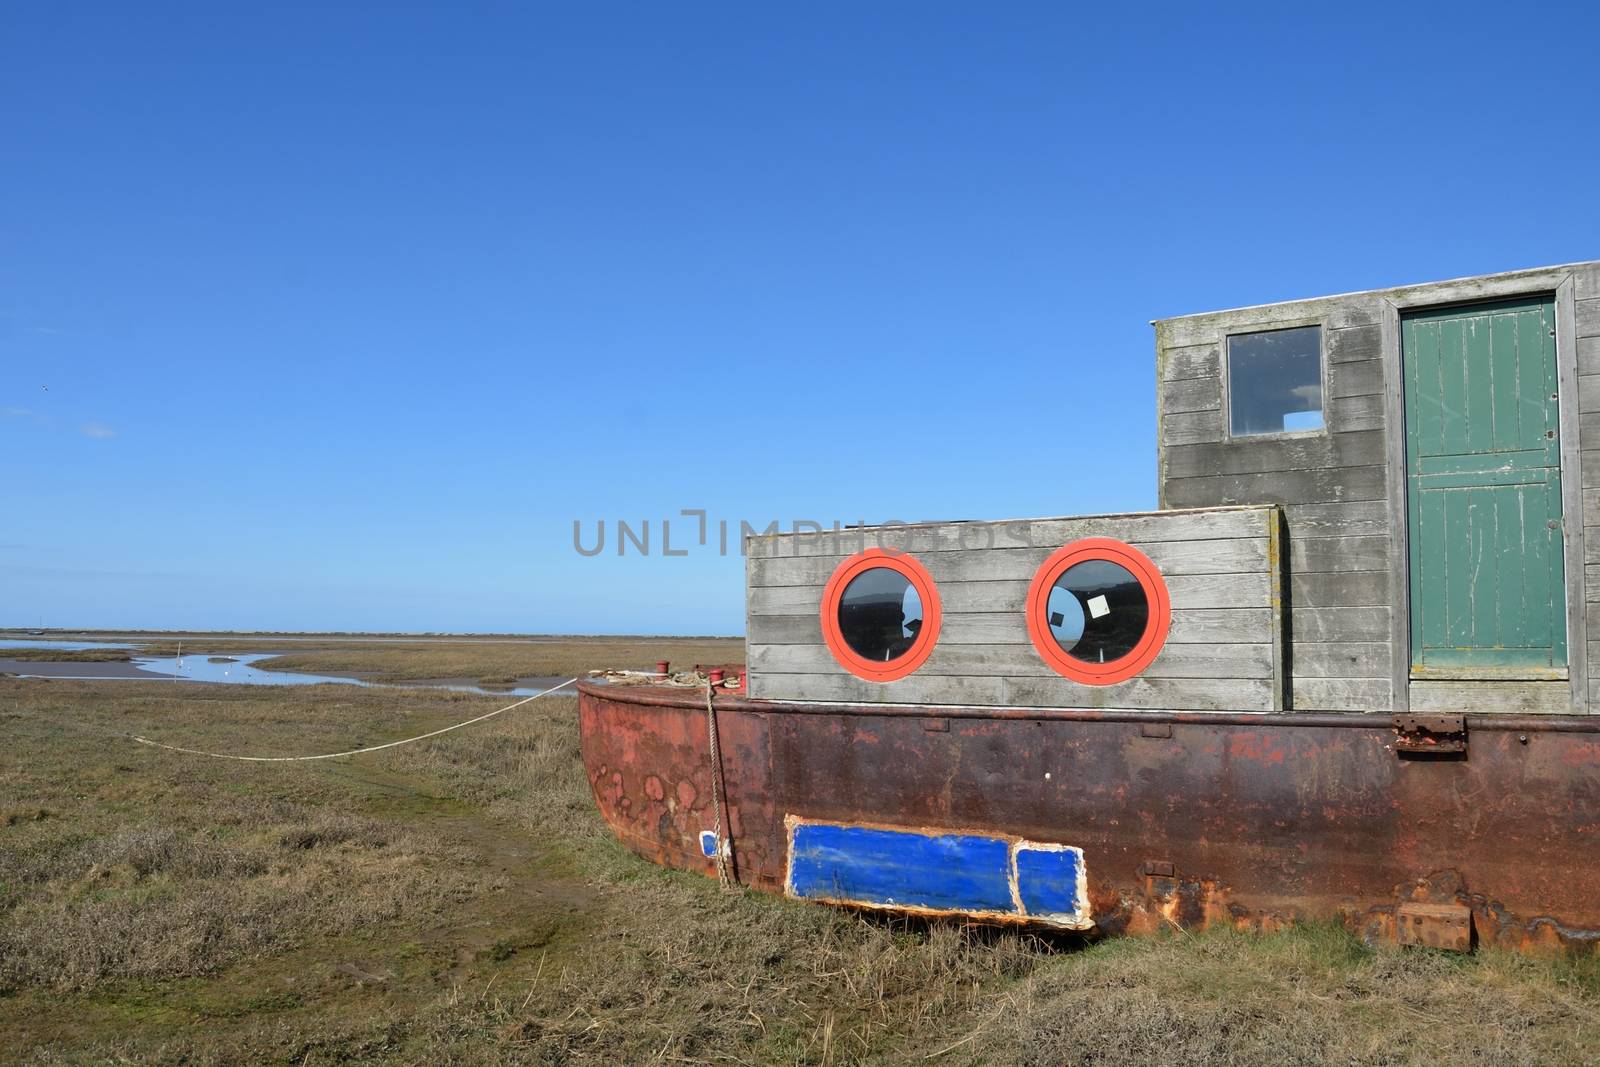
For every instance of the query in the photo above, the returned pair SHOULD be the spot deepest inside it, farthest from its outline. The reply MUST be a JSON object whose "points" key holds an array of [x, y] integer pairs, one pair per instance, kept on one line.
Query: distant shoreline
{"points": [[22, 632]]}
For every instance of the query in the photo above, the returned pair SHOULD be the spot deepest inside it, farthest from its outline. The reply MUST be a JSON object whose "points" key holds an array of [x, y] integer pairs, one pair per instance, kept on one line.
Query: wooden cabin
{"points": [[1372, 502]]}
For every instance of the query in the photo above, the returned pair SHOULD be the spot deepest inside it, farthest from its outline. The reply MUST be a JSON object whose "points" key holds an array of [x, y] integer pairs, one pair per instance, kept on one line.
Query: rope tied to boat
{"points": [[724, 876], [353, 751]]}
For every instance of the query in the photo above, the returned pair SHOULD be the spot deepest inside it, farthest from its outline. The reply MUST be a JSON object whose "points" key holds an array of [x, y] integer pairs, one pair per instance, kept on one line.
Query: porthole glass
{"points": [[1098, 611], [880, 614]]}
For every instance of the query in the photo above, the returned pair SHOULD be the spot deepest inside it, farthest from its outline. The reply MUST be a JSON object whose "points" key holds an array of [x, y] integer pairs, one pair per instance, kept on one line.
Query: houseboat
{"points": [[1341, 674]]}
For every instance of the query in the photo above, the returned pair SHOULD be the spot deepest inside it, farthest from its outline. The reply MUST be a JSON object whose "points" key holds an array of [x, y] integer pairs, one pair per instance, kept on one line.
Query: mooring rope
{"points": [[723, 875], [353, 751]]}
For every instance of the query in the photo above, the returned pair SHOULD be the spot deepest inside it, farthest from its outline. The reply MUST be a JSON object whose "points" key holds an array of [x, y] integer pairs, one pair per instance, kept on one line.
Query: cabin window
{"points": [[1098, 611], [1275, 381], [880, 615]]}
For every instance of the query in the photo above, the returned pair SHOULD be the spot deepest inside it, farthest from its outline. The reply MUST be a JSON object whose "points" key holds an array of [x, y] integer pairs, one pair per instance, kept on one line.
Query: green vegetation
{"points": [[459, 901]]}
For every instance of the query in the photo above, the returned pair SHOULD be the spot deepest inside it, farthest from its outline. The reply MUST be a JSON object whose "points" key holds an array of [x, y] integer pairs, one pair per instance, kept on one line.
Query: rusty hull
{"points": [[1185, 819]]}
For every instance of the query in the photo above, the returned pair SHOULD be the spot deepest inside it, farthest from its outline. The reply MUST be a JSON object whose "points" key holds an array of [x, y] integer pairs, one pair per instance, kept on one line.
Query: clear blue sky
{"points": [[337, 316]]}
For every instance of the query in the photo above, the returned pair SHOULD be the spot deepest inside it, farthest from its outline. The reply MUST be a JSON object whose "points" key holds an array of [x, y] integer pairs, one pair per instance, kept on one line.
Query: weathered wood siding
{"points": [[1221, 566], [1348, 647]]}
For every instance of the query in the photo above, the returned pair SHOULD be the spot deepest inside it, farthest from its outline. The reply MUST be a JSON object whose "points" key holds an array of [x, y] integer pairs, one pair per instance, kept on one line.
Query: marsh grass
{"points": [[459, 902], [59, 655], [485, 662]]}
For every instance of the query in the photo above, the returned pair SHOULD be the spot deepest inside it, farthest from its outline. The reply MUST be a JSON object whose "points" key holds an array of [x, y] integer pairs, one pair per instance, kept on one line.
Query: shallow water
{"points": [[235, 670]]}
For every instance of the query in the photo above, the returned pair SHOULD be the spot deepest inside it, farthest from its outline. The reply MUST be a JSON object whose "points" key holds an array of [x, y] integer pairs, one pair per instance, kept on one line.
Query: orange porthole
{"points": [[880, 615], [1098, 611]]}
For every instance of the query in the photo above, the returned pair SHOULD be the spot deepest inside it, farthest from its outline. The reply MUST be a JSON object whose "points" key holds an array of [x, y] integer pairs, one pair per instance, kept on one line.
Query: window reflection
{"points": [[1275, 381], [1097, 611], [880, 614]]}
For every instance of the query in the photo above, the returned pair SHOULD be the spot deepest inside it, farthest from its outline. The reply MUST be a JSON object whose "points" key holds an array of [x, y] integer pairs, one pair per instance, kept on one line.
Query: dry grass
{"points": [[57, 655], [459, 902]]}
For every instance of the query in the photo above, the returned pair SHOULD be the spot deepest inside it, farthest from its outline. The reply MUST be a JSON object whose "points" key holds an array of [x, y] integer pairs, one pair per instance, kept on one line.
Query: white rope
{"points": [[723, 875], [353, 751]]}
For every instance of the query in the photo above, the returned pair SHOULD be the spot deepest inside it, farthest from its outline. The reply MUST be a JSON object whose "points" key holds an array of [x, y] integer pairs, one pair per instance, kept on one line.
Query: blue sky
{"points": [[331, 316]]}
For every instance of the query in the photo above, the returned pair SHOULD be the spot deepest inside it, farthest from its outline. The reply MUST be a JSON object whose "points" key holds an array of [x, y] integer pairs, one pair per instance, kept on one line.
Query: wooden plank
{"points": [[1502, 286], [1190, 427], [1342, 694], [1588, 429], [1333, 313], [1182, 694], [1231, 556], [1190, 361], [1591, 507], [1363, 518], [1339, 624], [1589, 466], [1591, 577], [1312, 554], [788, 600], [785, 630], [1586, 281], [1588, 355], [1355, 344], [1355, 413], [1588, 318], [1592, 616], [1277, 574], [1340, 589], [1218, 591], [1343, 659], [1144, 530], [1589, 394], [1215, 626], [1022, 661], [1575, 538], [1246, 456], [1287, 487], [1364, 378], [1191, 394], [985, 628], [1394, 407], [1499, 697], [959, 660]]}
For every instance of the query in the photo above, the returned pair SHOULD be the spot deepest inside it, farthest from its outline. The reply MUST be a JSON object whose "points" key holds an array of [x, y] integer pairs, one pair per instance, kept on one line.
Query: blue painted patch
{"points": [[1047, 880], [708, 843], [953, 872]]}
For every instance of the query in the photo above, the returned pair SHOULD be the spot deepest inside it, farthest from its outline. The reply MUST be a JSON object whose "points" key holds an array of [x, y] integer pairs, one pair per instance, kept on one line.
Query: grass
{"points": [[485, 662], [57, 655], [506, 663], [458, 901]]}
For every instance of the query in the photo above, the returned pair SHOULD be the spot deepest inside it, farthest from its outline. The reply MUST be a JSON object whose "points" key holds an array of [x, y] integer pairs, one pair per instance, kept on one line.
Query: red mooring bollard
{"points": [[661, 668], [716, 675]]}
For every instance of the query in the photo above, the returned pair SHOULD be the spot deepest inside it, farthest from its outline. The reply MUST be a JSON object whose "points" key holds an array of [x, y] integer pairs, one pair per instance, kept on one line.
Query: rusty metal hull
{"points": [[1183, 819]]}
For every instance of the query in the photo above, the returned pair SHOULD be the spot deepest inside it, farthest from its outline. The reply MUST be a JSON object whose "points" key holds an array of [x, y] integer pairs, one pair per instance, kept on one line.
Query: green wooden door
{"points": [[1483, 457]]}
